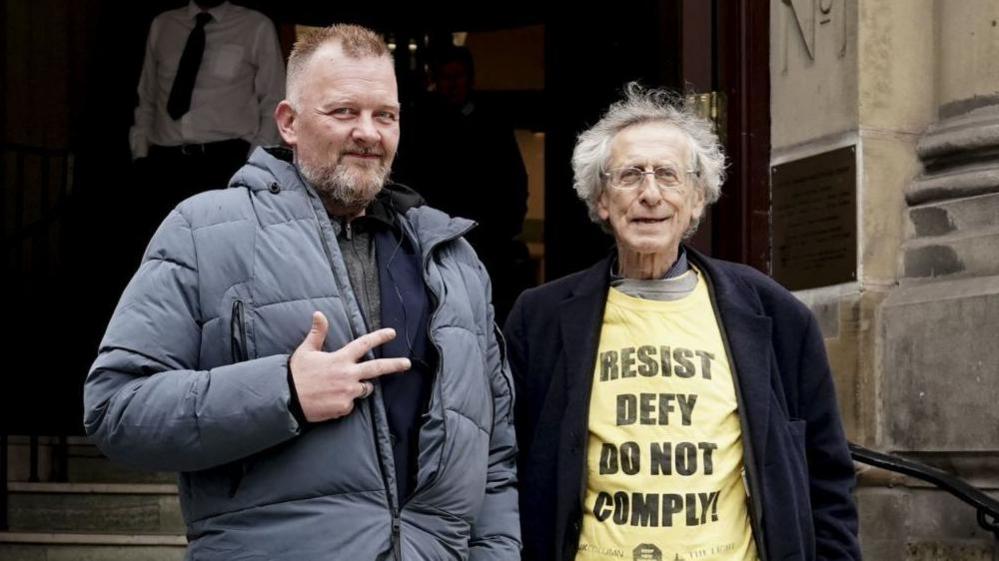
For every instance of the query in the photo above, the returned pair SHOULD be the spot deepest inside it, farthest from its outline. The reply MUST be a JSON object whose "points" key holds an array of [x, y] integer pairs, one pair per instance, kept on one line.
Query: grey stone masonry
{"points": [[940, 345], [954, 205], [94, 508]]}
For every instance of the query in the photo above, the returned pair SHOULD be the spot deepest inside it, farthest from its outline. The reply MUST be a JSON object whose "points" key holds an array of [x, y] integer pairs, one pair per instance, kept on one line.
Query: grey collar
{"points": [[679, 281]]}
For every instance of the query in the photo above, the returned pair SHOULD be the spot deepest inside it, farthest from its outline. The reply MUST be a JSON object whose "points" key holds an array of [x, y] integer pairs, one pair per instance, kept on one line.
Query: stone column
{"points": [[940, 327], [913, 87]]}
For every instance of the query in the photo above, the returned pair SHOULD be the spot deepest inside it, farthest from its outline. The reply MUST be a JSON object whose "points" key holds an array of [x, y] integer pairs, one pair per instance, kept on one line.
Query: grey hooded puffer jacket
{"points": [[192, 377]]}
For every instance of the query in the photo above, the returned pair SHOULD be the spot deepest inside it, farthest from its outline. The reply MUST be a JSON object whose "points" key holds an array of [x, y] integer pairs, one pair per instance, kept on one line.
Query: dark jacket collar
{"points": [[271, 169], [277, 163]]}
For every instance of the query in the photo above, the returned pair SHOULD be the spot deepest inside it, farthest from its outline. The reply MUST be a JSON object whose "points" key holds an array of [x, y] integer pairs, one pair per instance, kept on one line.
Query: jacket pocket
{"points": [[237, 332]]}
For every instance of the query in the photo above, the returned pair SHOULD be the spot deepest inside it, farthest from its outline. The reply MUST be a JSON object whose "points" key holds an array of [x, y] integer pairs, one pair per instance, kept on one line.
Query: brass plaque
{"points": [[815, 220]]}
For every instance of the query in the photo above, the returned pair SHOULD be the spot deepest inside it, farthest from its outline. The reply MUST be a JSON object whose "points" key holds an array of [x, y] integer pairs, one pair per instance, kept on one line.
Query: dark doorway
{"points": [[74, 98]]}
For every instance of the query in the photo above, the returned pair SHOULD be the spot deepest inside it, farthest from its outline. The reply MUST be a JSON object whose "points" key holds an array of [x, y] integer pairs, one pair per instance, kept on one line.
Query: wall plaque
{"points": [[815, 220]]}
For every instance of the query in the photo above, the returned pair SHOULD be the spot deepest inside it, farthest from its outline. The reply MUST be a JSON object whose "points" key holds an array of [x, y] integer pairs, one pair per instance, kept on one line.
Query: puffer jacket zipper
{"points": [[393, 500]]}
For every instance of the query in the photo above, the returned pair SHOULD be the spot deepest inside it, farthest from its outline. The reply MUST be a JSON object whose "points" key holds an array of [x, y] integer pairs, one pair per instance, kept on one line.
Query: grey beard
{"points": [[345, 187]]}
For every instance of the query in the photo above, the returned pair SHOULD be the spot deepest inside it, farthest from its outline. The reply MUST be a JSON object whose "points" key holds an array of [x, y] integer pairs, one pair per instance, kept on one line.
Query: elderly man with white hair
{"points": [[669, 405]]}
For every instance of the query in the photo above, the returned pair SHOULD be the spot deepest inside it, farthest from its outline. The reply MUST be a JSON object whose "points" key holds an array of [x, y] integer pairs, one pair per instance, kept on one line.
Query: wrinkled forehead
{"points": [[654, 142]]}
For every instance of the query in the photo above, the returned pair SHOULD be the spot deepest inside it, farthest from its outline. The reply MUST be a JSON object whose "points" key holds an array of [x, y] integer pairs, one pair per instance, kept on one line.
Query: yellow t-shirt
{"points": [[664, 460]]}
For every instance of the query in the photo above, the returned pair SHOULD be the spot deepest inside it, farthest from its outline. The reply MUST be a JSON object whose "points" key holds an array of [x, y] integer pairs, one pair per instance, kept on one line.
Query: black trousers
{"points": [[170, 174]]}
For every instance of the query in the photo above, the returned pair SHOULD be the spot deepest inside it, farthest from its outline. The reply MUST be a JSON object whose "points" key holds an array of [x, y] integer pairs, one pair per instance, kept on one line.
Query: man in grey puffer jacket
{"points": [[313, 350]]}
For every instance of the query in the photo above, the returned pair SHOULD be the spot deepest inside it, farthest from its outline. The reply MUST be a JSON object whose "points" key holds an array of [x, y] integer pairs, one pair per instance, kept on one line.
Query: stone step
{"points": [[956, 255], [946, 217], [27, 546], [85, 463], [99, 508]]}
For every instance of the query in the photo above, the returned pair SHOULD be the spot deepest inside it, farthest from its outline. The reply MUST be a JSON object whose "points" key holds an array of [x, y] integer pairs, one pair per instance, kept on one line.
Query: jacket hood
{"points": [[272, 169]]}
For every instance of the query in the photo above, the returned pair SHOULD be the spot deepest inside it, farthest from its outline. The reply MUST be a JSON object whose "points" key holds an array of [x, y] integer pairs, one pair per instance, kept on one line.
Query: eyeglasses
{"points": [[630, 177]]}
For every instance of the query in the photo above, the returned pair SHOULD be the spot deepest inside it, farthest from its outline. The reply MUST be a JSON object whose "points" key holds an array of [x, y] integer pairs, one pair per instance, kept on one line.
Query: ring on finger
{"points": [[367, 389]]}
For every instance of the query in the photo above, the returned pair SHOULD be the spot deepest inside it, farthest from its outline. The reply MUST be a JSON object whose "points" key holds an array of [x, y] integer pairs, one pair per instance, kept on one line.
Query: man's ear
{"points": [[603, 205], [698, 205], [284, 116]]}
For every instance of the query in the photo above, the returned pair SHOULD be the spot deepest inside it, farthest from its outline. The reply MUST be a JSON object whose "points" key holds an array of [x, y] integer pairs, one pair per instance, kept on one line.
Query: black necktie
{"points": [[187, 71]]}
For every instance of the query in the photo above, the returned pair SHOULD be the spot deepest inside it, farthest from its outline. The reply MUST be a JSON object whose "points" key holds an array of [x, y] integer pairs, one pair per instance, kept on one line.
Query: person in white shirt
{"points": [[198, 140]]}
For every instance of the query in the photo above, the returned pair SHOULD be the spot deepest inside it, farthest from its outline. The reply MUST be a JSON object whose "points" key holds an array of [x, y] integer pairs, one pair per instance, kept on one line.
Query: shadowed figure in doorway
{"points": [[464, 159]]}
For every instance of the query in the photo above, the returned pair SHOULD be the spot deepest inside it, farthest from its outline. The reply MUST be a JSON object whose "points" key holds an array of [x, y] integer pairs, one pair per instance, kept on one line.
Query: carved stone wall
{"points": [[914, 342]]}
